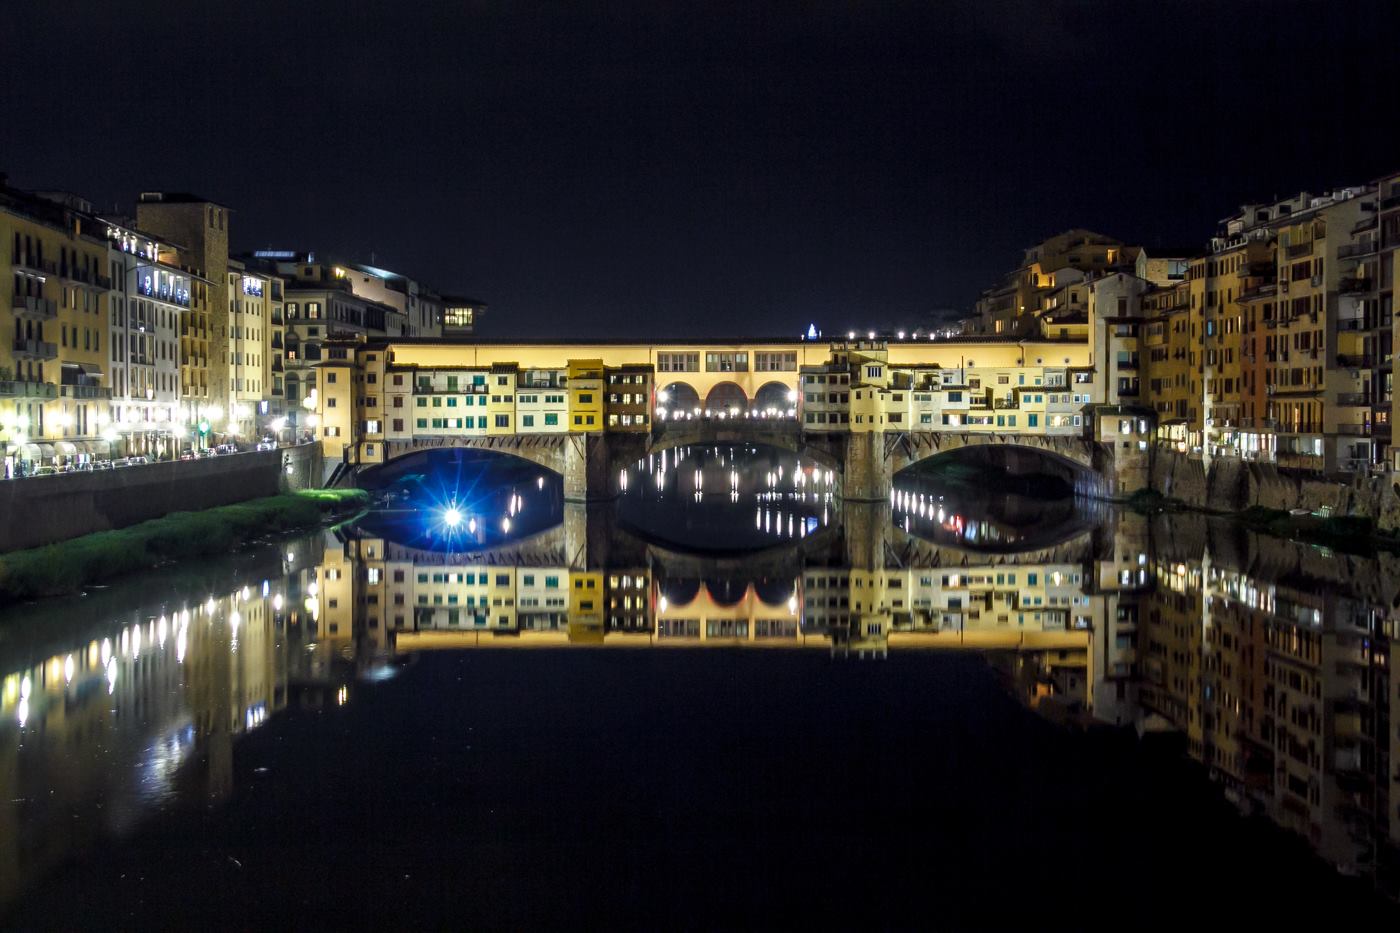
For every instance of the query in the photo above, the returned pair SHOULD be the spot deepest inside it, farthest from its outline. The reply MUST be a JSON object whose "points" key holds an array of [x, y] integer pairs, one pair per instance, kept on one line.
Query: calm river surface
{"points": [[727, 700]]}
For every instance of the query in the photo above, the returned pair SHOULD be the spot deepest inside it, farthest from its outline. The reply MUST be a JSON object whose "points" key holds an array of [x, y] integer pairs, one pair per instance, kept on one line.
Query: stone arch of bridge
{"points": [[547, 451], [1074, 460]]}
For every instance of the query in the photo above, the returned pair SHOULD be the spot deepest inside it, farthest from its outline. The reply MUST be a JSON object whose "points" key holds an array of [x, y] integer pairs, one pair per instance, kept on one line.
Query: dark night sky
{"points": [[660, 168]]}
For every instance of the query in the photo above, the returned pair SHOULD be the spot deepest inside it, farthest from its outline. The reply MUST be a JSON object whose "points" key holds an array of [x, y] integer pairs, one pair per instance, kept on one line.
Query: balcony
{"points": [[1353, 400], [28, 349], [1354, 430], [30, 308], [1391, 202], [1353, 250], [1300, 249], [73, 275], [30, 263], [76, 391], [1356, 360], [1351, 285], [18, 389]]}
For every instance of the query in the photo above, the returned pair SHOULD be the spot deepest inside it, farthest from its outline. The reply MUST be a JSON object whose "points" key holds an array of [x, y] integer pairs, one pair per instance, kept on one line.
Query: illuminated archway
{"points": [[677, 399], [775, 400], [728, 399]]}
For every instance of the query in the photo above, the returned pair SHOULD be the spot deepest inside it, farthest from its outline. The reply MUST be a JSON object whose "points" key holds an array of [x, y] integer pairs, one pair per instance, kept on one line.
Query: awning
{"points": [[65, 448], [97, 448], [35, 452], [90, 369]]}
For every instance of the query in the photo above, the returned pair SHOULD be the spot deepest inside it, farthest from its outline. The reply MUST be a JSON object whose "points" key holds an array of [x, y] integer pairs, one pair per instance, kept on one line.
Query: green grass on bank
{"points": [[67, 566]]}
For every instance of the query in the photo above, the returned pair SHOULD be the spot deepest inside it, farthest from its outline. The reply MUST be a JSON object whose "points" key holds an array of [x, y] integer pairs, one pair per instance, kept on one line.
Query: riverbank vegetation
{"points": [[68, 566]]}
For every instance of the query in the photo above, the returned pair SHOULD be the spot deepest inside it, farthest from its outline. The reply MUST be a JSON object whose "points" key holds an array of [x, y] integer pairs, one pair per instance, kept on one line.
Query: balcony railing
{"points": [[79, 276], [1352, 250], [30, 262], [1353, 400], [75, 391], [35, 349], [21, 389], [1354, 430], [32, 308], [1300, 249], [1355, 360], [1353, 284]]}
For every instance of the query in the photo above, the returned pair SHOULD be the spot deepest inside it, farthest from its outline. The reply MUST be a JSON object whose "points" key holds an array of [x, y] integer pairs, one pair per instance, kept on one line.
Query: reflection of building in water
{"points": [[143, 709], [1281, 690], [1282, 693]]}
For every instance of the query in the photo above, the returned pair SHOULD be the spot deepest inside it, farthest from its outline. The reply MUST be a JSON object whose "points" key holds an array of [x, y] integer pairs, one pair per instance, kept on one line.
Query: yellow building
{"points": [[1016, 305], [586, 388], [201, 228], [1172, 383], [54, 393], [254, 349]]}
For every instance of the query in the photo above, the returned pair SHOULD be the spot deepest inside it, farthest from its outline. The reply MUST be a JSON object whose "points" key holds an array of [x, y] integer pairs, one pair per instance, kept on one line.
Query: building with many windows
{"points": [[151, 295], [200, 227], [54, 393]]}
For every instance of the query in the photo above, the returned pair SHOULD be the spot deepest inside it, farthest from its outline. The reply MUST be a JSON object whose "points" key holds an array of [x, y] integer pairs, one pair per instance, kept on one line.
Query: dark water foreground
{"points": [[729, 789], [961, 709]]}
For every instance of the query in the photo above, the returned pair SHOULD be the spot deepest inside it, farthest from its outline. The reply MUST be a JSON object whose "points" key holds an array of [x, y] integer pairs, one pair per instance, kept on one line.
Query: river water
{"points": [[726, 700]]}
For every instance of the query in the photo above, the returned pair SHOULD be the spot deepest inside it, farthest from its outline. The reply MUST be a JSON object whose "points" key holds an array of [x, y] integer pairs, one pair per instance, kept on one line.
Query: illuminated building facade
{"points": [[54, 389], [151, 294], [200, 227]]}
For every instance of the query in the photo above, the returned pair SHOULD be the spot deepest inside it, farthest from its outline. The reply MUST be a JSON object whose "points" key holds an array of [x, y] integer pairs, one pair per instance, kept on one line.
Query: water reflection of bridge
{"points": [[1184, 627]]}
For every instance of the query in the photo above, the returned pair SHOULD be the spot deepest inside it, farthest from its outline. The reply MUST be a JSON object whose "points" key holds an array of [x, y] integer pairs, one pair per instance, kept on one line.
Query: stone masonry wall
{"points": [[43, 510], [1232, 485]]}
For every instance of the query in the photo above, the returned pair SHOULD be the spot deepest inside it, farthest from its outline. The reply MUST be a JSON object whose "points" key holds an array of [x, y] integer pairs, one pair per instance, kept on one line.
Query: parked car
{"points": [[225, 449], [187, 455], [101, 464], [267, 445], [204, 453], [45, 471]]}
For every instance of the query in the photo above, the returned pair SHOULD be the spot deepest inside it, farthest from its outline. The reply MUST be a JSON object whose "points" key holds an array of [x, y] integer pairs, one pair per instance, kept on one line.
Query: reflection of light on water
{"points": [[162, 761]]}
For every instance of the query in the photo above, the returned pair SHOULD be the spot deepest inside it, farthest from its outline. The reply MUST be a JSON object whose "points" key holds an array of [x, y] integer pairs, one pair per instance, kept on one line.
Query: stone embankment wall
{"points": [[1231, 485], [43, 510]]}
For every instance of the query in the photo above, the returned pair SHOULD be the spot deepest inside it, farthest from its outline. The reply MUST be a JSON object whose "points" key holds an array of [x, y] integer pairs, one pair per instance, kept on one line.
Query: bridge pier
{"points": [[868, 473]]}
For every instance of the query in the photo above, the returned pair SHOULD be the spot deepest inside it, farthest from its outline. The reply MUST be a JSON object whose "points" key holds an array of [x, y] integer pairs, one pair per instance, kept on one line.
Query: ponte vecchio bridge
{"points": [[864, 408]]}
